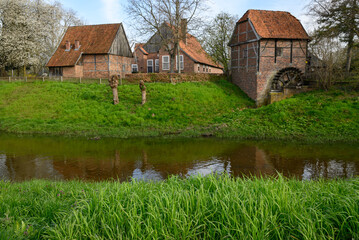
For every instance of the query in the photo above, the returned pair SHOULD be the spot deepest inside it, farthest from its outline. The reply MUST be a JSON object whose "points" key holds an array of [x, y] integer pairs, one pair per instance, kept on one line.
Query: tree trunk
{"points": [[115, 96], [143, 91], [349, 56]]}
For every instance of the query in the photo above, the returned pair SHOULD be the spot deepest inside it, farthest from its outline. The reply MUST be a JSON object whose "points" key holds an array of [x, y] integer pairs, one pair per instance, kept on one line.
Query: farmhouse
{"points": [[269, 50], [151, 57], [92, 51]]}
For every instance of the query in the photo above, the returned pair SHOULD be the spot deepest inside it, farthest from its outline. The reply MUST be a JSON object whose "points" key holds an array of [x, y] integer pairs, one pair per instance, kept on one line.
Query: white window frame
{"points": [[167, 62], [134, 66], [151, 65], [181, 62], [157, 65]]}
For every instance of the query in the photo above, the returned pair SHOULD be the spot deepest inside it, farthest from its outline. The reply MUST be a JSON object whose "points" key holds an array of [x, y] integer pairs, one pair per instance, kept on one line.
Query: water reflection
{"points": [[23, 158]]}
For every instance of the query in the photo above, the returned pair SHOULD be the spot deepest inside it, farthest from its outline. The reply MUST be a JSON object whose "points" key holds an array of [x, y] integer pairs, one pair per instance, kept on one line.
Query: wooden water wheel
{"points": [[287, 78]]}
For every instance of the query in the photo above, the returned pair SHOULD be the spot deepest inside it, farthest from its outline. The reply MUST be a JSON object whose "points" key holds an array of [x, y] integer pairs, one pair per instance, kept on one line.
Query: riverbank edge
{"points": [[206, 207], [163, 134]]}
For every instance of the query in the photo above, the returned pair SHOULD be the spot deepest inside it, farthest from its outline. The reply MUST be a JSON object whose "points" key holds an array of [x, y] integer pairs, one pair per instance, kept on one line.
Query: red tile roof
{"points": [[195, 51], [94, 39], [275, 24]]}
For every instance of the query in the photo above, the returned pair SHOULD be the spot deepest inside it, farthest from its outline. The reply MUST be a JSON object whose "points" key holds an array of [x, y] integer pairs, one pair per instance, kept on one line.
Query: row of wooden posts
{"points": [[113, 82]]}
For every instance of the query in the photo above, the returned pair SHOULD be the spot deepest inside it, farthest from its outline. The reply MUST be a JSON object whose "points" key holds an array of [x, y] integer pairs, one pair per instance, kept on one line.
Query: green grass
{"points": [[187, 109], [197, 208]]}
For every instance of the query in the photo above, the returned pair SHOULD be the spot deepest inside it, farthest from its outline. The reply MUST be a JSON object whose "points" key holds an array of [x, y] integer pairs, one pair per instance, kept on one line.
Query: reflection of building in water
{"points": [[250, 160]]}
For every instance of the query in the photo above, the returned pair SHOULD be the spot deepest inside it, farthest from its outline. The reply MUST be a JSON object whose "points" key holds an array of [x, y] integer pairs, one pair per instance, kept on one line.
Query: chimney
{"points": [[77, 45], [184, 30], [68, 46]]}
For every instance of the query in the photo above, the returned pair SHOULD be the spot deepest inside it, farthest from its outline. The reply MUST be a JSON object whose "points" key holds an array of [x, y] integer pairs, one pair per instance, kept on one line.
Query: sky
{"points": [[112, 11]]}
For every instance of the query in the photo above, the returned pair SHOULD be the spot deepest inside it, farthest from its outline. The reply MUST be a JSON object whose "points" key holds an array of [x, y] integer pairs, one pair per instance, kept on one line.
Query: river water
{"points": [[60, 158]]}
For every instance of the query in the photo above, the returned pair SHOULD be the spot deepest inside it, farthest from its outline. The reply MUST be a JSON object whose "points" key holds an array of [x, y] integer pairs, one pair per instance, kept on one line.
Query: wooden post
{"points": [[113, 81], [43, 79], [61, 79], [143, 91], [100, 80], [80, 79], [9, 79]]}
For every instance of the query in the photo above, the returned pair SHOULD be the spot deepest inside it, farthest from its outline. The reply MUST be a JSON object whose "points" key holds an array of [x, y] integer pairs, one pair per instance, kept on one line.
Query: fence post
{"points": [[100, 80], [25, 79], [61, 79], [43, 79], [9, 79], [80, 79]]}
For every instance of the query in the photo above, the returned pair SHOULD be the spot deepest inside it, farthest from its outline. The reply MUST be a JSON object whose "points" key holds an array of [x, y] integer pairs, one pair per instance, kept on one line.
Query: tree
{"points": [[30, 31], [216, 36], [164, 18], [338, 18]]}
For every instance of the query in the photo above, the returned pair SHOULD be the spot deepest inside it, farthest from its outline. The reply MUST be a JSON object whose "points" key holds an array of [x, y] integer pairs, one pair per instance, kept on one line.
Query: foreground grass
{"points": [[197, 208], [187, 109]]}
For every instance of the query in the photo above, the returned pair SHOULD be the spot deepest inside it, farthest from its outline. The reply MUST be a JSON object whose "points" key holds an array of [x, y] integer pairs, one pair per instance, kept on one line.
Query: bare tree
{"points": [[216, 36], [165, 19], [327, 58]]}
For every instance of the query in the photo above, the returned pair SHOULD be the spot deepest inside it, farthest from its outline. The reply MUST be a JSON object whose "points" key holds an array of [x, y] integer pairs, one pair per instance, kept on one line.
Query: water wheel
{"points": [[287, 78]]}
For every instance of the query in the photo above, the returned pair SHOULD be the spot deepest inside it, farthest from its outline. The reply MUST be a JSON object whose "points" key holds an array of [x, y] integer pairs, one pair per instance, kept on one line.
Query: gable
{"points": [[120, 45]]}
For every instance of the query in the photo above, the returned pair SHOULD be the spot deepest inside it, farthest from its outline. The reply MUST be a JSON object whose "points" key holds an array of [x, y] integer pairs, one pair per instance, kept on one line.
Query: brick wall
{"points": [[269, 66]]}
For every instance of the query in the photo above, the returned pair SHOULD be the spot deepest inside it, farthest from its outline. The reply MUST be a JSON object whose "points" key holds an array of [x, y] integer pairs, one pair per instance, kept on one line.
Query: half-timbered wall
{"points": [[245, 58]]}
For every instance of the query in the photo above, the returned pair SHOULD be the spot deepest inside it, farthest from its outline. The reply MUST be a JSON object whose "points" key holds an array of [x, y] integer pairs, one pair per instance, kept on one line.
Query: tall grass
{"points": [[197, 208]]}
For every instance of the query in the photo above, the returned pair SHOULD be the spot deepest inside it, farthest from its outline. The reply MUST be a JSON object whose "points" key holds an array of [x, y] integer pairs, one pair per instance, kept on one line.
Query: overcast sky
{"points": [[111, 11]]}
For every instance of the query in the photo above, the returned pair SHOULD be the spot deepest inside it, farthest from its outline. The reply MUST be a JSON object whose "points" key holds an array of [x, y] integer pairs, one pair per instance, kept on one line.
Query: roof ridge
{"points": [[92, 25]]}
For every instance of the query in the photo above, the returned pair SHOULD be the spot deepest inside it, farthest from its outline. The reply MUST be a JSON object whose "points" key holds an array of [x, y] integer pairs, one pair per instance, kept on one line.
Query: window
{"points": [[279, 51], [181, 62], [165, 63], [134, 68], [210, 70], [123, 67], [199, 68], [245, 53], [204, 68], [150, 66], [157, 65]]}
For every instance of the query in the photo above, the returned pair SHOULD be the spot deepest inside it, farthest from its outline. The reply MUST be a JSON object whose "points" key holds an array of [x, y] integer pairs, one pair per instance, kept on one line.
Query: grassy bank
{"points": [[198, 208], [187, 109]]}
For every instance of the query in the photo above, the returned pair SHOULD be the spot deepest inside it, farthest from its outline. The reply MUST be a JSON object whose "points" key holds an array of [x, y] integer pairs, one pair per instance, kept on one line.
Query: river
{"points": [[60, 158]]}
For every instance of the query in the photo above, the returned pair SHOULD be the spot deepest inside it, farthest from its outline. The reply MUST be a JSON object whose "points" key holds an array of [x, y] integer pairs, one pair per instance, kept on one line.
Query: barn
{"points": [[92, 51], [268, 53]]}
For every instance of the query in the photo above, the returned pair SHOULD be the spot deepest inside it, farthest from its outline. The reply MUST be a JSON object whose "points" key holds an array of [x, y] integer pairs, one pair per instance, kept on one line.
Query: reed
{"points": [[213, 207]]}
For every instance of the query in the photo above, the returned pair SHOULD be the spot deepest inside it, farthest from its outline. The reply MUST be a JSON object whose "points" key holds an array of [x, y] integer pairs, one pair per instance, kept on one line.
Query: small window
{"points": [[165, 63], [210, 70], [204, 68], [199, 68], [245, 53], [123, 67], [134, 68], [279, 52]]}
